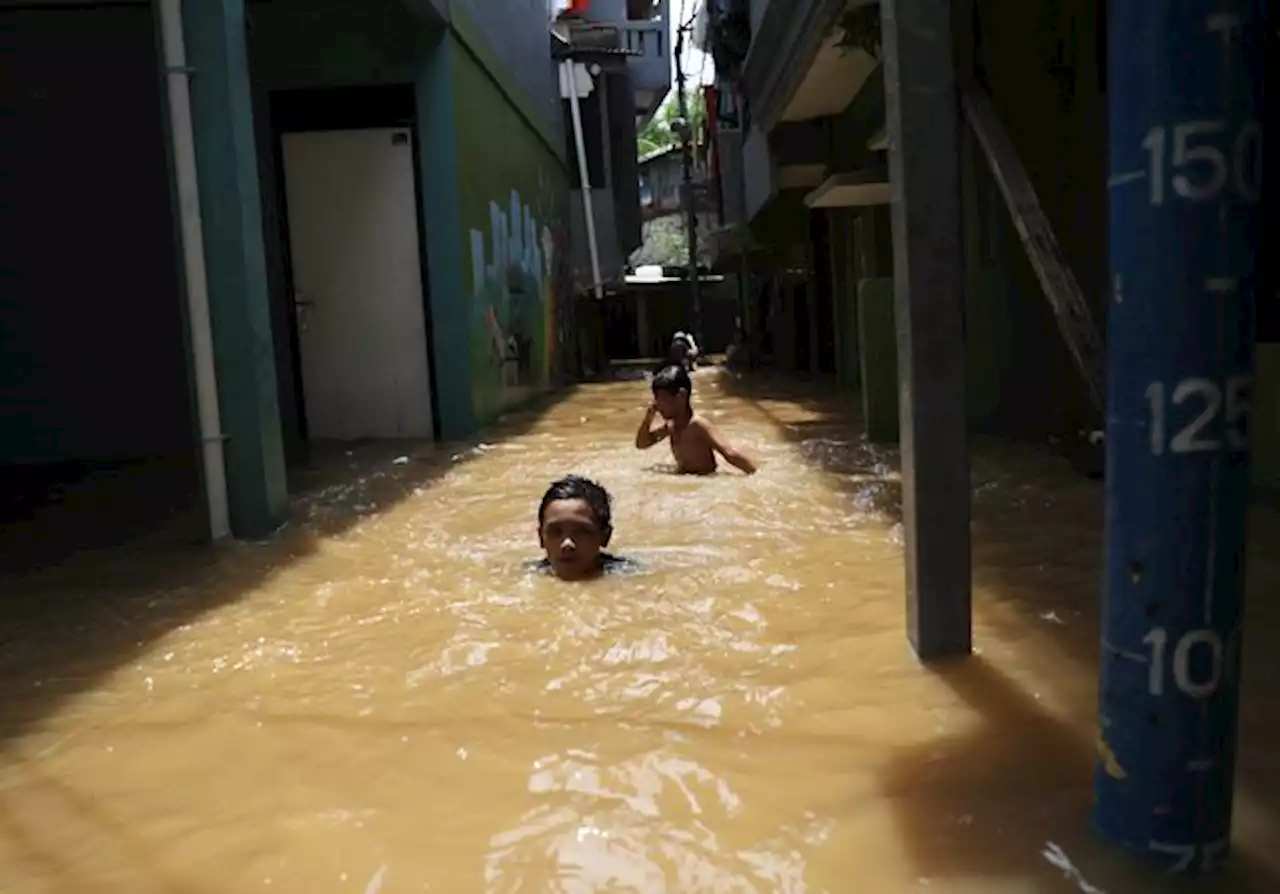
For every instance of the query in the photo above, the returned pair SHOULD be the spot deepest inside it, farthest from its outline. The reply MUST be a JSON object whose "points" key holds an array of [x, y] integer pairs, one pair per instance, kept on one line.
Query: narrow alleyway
{"points": [[383, 700]]}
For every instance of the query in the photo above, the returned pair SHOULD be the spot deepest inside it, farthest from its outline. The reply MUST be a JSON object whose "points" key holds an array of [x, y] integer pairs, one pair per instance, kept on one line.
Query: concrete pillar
{"points": [[446, 246], [1186, 210], [226, 156], [920, 104]]}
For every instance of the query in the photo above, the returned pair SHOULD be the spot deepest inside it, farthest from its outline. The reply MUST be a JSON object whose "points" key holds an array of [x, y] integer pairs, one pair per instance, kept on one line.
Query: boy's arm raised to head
{"points": [[646, 435], [731, 454]]}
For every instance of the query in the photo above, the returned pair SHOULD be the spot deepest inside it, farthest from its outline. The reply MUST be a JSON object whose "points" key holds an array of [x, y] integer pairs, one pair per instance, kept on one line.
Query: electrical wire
{"points": [[688, 47], [692, 16]]}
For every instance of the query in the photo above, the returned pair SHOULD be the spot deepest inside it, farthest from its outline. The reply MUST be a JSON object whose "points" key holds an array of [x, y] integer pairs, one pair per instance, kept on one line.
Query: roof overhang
{"points": [[852, 189]]}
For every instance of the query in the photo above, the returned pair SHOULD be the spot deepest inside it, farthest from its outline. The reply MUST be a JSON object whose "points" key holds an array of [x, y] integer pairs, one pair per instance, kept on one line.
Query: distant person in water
{"points": [[695, 441], [684, 351], [575, 524]]}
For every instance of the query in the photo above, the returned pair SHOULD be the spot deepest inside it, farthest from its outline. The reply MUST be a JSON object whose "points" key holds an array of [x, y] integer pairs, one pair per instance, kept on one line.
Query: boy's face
{"points": [[572, 539], [670, 405]]}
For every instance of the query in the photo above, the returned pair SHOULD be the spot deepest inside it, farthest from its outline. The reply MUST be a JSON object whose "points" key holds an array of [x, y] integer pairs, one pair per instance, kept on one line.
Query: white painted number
{"points": [[1227, 406], [1213, 854], [1158, 641], [1210, 855], [1206, 156], [1201, 170], [1248, 162]]}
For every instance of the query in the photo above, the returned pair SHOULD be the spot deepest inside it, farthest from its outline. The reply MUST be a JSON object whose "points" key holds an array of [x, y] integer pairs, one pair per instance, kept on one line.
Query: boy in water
{"points": [[695, 441], [683, 351], [575, 523]]}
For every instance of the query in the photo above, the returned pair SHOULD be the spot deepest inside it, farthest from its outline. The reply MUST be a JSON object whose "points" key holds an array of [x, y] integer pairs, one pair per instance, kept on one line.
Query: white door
{"points": [[353, 236]]}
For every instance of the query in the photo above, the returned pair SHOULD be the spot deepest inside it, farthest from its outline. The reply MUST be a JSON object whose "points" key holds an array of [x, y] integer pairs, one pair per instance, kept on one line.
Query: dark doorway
{"points": [[801, 301], [820, 292], [621, 341], [96, 425]]}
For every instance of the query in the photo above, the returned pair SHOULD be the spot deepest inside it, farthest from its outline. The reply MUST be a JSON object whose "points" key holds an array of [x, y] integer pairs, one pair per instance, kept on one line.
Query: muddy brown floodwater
{"points": [[383, 700]]}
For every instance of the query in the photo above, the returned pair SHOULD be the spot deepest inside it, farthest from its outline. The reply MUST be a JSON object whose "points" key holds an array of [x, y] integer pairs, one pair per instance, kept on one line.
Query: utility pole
{"points": [[928, 306], [687, 196]]}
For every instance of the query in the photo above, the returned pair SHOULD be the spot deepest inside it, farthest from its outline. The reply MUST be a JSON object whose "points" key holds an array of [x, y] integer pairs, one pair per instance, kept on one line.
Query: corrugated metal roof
{"points": [[658, 153]]}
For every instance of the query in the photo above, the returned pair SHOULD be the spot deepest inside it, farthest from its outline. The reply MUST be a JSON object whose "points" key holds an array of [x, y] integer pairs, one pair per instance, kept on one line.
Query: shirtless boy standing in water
{"points": [[695, 441]]}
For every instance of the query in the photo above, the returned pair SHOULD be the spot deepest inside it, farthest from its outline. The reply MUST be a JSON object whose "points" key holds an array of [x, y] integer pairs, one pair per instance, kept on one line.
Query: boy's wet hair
{"points": [[575, 487], [672, 379]]}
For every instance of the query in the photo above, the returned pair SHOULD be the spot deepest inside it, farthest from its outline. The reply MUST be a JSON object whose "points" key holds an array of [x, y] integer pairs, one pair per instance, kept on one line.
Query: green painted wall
{"points": [[508, 42], [438, 156], [493, 186], [512, 200], [239, 293]]}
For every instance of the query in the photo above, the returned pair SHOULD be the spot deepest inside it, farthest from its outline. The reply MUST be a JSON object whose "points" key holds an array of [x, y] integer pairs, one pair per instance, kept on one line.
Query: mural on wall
{"points": [[515, 285], [563, 361]]}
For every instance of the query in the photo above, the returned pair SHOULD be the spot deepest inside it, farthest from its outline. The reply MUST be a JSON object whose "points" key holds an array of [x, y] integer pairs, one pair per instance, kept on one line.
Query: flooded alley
{"points": [[385, 700]]}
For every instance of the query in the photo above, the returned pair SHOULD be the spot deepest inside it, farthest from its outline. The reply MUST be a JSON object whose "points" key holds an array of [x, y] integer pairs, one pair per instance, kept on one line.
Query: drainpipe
{"points": [[569, 85], [182, 135]]}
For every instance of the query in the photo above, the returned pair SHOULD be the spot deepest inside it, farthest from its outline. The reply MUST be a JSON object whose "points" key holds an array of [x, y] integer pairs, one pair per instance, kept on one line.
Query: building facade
{"points": [[803, 168], [622, 57], [297, 222]]}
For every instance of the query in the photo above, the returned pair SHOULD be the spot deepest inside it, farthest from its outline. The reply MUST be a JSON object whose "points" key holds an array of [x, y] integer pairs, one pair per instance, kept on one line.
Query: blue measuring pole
{"points": [[1185, 85]]}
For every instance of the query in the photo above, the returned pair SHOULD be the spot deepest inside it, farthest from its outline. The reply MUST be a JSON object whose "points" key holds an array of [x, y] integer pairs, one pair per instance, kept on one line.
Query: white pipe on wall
{"points": [[569, 84], [197, 283]]}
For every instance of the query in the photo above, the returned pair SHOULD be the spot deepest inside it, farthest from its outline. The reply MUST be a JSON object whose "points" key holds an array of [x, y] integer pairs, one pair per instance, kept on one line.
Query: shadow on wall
{"points": [[66, 627]]}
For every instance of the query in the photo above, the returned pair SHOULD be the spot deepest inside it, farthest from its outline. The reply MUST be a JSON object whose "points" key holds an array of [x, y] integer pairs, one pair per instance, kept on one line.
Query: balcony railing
{"points": [[643, 29], [651, 63], [607, 12]]}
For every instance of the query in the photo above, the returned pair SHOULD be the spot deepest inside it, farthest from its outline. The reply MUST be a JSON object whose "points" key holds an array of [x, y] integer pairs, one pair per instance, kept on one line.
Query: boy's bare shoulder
{"points": [[702, 424]]}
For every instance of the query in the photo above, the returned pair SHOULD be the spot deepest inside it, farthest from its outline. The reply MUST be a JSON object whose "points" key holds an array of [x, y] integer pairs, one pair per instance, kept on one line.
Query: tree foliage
{"points": [[666, 243], [659, 132]]}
